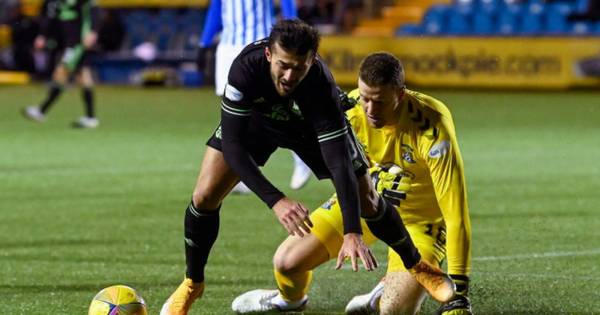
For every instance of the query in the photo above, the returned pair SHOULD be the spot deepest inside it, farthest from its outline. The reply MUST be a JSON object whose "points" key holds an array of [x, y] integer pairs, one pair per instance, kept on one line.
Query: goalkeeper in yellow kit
{"points": [[410, 141]]}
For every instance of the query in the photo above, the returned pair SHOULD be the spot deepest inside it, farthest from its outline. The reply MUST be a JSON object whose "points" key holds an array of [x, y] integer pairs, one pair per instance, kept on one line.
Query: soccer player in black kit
{"points": [[77, 29], [280, 94]]}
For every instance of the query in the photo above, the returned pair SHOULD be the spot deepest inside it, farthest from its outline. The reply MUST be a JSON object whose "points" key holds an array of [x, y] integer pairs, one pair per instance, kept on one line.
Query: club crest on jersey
{"points": [[233, 94], [439, 149], [328, 204], [296, 109], [407, 154]]}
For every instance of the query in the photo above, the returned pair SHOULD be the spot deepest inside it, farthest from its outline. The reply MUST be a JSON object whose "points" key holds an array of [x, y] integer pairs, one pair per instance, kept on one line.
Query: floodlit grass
{"points": [[84, 209]]}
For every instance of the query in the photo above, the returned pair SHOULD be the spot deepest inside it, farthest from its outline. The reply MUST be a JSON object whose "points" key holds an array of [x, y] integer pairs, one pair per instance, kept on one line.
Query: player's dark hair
{"points": [[382, 68], [295, 37]]}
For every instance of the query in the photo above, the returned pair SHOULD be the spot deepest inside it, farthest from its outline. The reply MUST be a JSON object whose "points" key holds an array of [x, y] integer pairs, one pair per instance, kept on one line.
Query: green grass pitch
{"points": [[84, 209]]}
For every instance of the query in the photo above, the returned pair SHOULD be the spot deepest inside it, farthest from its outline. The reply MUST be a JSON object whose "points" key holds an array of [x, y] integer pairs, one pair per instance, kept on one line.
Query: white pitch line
{"points": [[591, 252]]}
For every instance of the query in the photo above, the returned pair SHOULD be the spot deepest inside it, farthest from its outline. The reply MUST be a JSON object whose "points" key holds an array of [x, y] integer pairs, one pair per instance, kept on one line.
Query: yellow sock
{"points": [[293, 287]]}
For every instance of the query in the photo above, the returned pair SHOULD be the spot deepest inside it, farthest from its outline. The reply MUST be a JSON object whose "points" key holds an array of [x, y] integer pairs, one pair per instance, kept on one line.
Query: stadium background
{"points": [[84, 210]]}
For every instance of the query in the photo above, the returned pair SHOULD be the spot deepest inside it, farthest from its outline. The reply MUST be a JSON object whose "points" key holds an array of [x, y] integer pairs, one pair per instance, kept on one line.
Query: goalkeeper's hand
{"points": [[460, 303], [390, 182]]}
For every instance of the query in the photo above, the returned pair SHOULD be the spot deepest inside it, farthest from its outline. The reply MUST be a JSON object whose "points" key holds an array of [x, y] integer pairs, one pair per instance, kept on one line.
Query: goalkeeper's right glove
{"points": [[390, 182], [460, 303]]}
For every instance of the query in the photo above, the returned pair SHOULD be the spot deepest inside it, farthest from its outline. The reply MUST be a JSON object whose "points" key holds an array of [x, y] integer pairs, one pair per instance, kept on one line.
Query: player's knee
{"points": [[205, 199], [284, 261]]}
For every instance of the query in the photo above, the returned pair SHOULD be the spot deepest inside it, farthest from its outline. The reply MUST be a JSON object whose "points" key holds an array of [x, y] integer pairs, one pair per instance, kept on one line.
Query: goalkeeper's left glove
{"points": [[390, 182], [460, 303]]}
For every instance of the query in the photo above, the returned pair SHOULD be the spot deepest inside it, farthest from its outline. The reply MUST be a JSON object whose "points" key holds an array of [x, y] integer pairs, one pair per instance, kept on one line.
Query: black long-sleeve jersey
{"points": [[48, 19], [77, 16], [310, 119]]}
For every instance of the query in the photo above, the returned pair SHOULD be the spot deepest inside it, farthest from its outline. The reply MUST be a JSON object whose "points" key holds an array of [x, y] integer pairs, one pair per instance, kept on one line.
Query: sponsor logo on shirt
{"points": [[407, 154], [233, 94], [328, 204], [439, 149]]}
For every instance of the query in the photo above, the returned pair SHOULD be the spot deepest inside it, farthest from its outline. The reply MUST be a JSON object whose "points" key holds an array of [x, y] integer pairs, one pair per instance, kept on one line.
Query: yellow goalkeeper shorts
{"points": [[429, 238]]}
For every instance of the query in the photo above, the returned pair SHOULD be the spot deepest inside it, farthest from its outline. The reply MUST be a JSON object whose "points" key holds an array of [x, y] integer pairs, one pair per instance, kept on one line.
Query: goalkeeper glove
{"points": [[460, 304], [390, 182]]}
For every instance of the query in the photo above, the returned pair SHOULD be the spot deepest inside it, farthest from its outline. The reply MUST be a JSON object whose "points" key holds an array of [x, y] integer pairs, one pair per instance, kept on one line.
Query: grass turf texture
{"points": [[85, 209]]}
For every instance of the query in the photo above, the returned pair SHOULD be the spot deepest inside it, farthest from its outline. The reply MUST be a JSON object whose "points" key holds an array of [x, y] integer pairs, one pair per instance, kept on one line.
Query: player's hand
{"points": [[89, 40], [293, 215], [354, 247], [460, 303], [40, 42], [391, 182]]}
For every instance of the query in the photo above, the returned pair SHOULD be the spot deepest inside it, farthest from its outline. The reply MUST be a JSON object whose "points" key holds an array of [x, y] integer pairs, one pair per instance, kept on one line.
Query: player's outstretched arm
{"points": [[293, 215], [354, 247]]}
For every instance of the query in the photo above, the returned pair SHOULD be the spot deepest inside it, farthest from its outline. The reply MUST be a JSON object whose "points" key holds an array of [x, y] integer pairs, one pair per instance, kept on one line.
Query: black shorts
{"points": [[74, 55], [261, 145]]}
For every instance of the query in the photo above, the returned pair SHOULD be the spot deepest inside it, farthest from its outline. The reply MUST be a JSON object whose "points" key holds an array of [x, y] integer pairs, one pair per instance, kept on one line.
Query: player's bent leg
{"points": [[55, 89], [61, 74], [215, 180], [402, 295], [293, 263], [89, 120], [385, 223]]}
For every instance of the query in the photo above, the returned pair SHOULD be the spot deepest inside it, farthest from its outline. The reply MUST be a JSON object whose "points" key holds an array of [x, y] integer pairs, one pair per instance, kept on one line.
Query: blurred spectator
{"points": [[348, 13], [591, 13], [330, 16], [111, 32], [6, 9], [24, 31], [48, 21], [317, 12]]}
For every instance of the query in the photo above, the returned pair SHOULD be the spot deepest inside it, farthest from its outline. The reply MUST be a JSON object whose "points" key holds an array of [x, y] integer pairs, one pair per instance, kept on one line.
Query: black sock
{"points": [[388, 227], [201, 230], [54, 92], [88, 99]]}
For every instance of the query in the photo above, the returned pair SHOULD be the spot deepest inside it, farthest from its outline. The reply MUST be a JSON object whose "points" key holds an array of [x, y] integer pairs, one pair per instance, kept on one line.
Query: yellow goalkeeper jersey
{"points": [[423, 143]]}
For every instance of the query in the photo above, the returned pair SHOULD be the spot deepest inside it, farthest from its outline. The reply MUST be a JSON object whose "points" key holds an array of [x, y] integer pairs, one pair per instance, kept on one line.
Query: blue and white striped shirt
{"points": [[242, 21]]}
